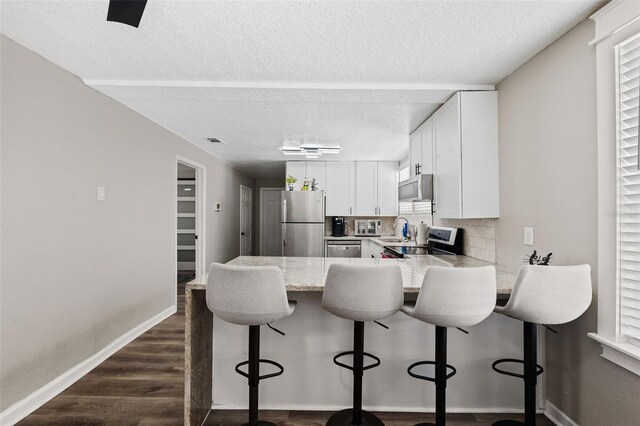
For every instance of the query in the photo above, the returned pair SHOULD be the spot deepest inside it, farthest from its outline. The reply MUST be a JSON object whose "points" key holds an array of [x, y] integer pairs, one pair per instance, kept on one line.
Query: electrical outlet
{"points": [[100, 193], [528, 236]]}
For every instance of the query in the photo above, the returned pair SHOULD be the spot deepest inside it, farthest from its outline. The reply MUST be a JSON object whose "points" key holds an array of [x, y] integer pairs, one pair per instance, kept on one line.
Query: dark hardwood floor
{"points": [[143, 384]]}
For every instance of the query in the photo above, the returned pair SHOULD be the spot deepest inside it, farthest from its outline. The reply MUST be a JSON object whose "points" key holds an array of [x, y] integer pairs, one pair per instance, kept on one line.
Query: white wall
{"points": [[548, 180], [77, 273]]}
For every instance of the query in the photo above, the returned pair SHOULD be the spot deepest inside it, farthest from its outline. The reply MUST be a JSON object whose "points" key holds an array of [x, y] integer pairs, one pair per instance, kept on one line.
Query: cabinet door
{"points": [[448, 164], [316, 169], [426, 131], [366, 188], [365, 251], [387, 188], [415, 151], [340, 188], [296, 169]]}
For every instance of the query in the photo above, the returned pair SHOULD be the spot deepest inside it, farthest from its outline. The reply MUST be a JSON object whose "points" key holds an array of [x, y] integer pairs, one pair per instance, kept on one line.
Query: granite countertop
{"points": [[354, 237], [308, 273], [377, 240]]}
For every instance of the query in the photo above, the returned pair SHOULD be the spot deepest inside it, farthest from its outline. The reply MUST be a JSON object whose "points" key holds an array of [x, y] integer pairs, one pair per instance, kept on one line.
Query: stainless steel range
{"points": [[441, 240]]}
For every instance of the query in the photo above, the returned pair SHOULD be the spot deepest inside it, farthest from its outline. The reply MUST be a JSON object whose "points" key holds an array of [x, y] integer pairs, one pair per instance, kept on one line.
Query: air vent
{"points": [[214, 140]]}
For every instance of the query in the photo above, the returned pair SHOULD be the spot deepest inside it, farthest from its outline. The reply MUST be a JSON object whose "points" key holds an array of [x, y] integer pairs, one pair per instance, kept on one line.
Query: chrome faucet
{"points": [[395, 223]]}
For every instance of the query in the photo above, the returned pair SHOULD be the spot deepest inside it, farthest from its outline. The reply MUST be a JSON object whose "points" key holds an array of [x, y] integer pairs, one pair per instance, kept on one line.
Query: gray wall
{"points": [[548, 180], [77, 273]]}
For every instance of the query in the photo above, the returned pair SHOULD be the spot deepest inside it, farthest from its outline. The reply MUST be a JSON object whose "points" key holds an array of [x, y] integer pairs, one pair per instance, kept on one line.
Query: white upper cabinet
{"points": [[340, 188], [421, 149], [316, 169], [366, 188], [426, 154], [465, 137], [415, 152], [376, 188], [310, 169], [387, 188], [297, 169]]}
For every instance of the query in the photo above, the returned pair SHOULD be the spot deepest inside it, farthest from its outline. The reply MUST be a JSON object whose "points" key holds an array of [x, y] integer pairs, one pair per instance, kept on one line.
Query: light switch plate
{"points": [[528, 236], [100, 193]]}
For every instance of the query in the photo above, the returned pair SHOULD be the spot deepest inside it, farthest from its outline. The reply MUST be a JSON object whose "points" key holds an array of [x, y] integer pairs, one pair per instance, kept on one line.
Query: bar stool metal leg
{"points": [[358, 365], [254, 377], [530, 376], [441, 375], [355, 415]]}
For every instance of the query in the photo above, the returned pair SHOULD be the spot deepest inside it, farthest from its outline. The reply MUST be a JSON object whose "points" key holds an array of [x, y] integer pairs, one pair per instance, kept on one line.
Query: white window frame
{"points": [[615, 23]]}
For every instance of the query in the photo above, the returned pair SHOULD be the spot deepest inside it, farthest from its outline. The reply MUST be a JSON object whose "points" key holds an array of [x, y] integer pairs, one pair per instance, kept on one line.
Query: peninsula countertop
{"points": [[309, 273]]}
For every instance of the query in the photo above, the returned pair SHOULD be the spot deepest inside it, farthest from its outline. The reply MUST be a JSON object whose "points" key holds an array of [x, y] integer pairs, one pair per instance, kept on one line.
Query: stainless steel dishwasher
{"points": [[338, 248]]}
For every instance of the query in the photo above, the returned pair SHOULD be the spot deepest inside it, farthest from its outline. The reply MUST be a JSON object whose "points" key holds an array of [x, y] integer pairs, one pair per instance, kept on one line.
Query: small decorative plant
{"points": [[290, 181]]}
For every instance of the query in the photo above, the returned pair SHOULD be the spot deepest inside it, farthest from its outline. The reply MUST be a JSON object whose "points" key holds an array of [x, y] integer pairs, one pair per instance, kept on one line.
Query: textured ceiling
{"points": [[361, 74]]}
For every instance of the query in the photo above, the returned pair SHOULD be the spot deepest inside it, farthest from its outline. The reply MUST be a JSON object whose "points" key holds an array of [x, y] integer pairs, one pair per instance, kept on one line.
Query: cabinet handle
{"points": [[349, 211]]}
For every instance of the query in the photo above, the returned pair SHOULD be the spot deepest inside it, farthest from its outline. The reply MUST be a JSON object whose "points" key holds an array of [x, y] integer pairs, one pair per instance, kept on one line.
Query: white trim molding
{"points": [[625, 355], [21, 409], [614, 23], [557, 416]]}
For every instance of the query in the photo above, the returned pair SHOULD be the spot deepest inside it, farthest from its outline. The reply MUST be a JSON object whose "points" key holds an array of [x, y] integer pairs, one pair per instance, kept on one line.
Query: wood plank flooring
{"points": [[143, 384]]}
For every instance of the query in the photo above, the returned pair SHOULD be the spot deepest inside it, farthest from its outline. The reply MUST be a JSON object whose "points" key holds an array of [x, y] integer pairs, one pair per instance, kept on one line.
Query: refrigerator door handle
{"points": [[284, 209]]}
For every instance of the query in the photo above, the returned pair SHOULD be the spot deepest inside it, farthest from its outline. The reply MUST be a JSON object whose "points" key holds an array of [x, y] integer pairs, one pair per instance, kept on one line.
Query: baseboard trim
{"points": [[383, 409], [21, 409], [558, 417]]}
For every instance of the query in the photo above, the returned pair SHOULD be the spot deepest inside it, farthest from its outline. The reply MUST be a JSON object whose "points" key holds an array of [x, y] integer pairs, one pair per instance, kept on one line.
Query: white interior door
{"points": [[270, 222], [246, 206]]}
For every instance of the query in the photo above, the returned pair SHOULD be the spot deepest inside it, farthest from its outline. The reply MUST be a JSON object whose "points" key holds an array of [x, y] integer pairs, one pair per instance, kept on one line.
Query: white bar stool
{"points": [[542, 295], [253, 296], [450, 297], [361, 293]]}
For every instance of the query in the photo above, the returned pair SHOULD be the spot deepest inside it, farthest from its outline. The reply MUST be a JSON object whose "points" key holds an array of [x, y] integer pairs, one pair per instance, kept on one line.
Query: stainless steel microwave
{"points": [[418, 188]]}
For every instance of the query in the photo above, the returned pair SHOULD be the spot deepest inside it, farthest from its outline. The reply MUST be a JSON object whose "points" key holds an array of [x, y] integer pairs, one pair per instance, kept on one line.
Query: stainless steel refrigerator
{"points": [[303, 223]]}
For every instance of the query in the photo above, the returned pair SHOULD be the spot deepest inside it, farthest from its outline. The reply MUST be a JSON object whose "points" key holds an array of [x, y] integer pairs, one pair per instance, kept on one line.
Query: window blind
{"points": [[403, 174], [405, 207], [627, 85]]}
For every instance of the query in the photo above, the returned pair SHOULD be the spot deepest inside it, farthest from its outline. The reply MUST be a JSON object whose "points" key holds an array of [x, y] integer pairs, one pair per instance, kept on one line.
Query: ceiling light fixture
{"points": [[310, 151]]}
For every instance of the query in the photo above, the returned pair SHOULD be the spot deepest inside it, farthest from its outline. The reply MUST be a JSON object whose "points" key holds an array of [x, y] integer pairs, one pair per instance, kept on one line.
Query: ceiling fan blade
{"points": [[126, 11]]}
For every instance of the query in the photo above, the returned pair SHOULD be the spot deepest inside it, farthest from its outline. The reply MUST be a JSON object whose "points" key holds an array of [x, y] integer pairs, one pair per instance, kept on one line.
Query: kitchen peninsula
{"points": [[313, 337]]}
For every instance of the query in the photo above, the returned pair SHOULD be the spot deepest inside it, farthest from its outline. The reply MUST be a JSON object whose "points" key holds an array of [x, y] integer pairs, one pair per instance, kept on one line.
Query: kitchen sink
{"points": [[391, 239]]}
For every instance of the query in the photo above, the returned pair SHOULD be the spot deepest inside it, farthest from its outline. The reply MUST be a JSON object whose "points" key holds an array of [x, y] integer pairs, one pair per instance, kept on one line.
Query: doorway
{"points": [[270, 222], [246, 219], [189, 233]]}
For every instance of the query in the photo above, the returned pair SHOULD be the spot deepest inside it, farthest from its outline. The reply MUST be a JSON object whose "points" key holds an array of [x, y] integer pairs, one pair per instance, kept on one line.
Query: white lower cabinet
{"points": [[365, 251]]}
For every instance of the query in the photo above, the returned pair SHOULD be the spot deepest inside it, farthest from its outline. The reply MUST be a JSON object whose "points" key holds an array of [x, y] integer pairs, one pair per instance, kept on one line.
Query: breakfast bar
{"points": [[312, 338]]}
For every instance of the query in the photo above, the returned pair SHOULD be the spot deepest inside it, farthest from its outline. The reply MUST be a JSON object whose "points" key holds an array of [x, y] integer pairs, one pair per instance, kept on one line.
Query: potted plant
{"points": [[290, 181]]}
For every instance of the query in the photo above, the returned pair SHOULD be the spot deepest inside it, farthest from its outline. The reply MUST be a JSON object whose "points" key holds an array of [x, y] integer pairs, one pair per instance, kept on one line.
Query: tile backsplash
{"points": [[387, 223], [479, 237], [478, 241]]}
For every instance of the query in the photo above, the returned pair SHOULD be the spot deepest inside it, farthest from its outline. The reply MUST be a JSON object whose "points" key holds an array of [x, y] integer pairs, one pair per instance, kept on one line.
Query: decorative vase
{"points": [[291, 187]]}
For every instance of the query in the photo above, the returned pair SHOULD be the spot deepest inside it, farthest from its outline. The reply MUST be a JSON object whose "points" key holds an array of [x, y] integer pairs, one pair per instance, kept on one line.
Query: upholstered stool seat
{"points": [[250, 296], [361, 293], [542, 295], [450, 297]]}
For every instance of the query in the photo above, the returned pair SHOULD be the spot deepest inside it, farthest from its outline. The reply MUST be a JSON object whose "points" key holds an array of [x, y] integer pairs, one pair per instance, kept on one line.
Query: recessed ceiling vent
{"points": [[214, 140]]}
